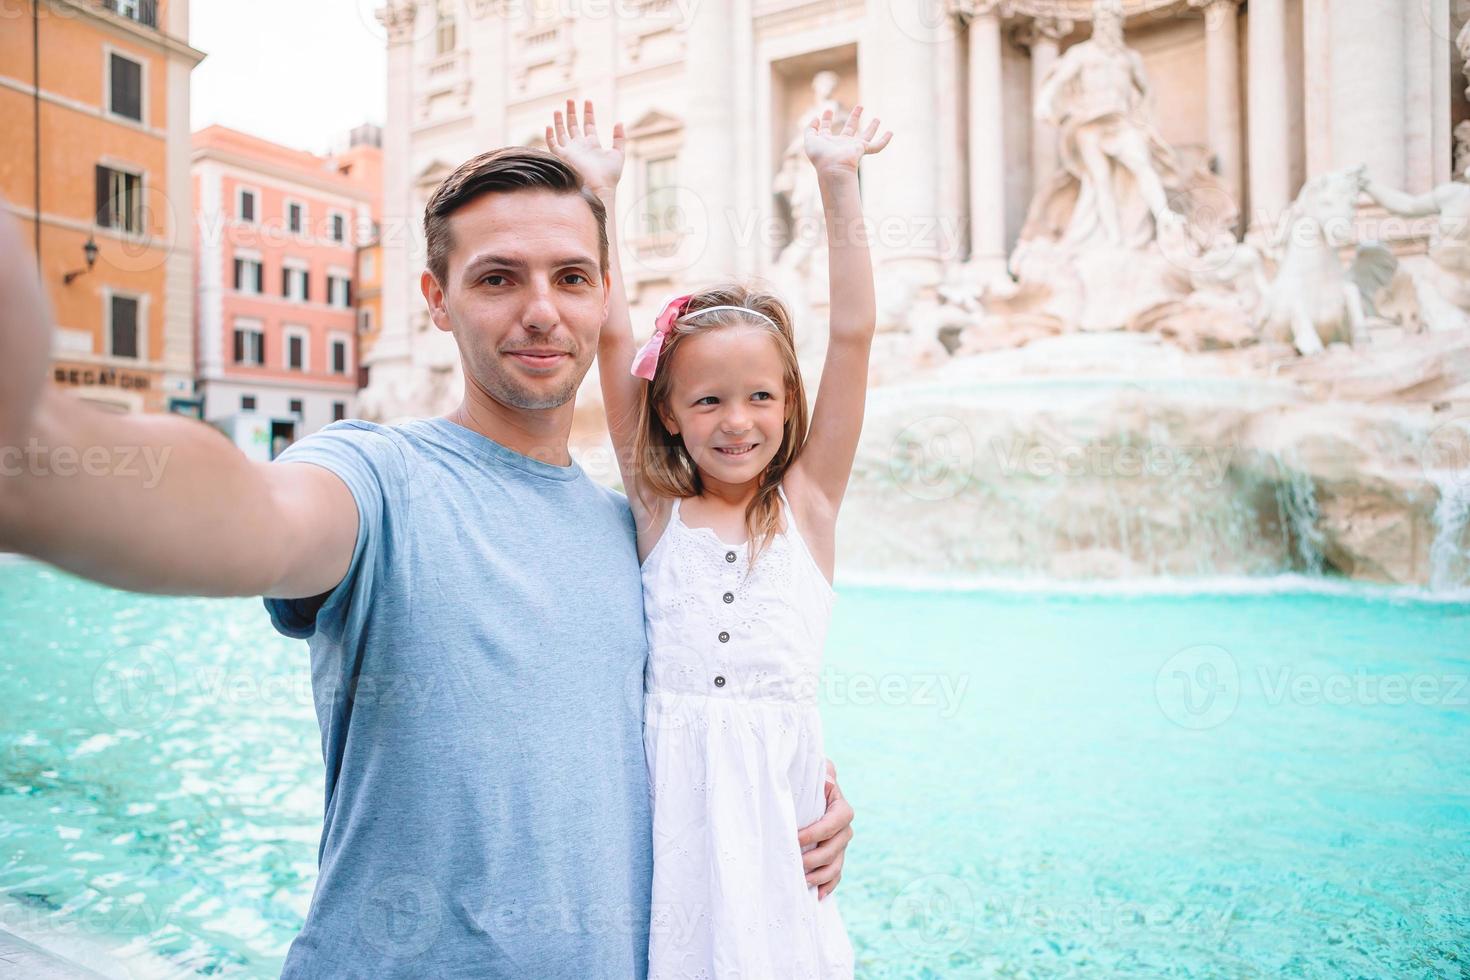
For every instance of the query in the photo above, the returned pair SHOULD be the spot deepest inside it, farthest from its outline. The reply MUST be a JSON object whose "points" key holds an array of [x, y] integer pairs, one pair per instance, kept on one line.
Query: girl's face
{"points": [[728, 401]]}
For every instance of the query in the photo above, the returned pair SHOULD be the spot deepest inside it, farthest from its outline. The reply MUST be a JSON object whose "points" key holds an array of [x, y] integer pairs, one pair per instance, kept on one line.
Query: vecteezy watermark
{"points": [[1446, 454], [933, 458], [1205, 465], [406, 21], [1281, 685], [136, 687], [1103, 916], [401, 915], [933, 915], [1199, 687], [129, 462]]}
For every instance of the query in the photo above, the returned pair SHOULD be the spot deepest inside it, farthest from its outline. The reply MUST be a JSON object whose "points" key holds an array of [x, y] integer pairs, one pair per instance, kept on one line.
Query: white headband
{"points": [[740, 309]]}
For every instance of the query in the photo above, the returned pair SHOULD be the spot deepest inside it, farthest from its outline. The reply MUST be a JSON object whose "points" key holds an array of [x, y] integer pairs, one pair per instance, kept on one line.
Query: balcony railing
{"points": [[145, 12]]}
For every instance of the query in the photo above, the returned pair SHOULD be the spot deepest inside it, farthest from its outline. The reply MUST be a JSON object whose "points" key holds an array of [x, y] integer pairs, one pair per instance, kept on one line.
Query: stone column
{"points": [[390, 361], [987, 148], [1041, 36], [897, 73], [1222, 67], [1270, 129], [1366, 45], [707, 176]]}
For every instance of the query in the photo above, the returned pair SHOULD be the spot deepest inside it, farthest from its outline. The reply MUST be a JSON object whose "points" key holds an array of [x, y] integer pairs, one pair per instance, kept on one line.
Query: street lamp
{"points": [[90, 249]]}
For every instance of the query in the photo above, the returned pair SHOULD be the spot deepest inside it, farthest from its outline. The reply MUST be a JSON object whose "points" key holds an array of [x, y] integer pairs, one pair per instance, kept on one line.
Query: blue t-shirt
{"points": [[478, 679]]}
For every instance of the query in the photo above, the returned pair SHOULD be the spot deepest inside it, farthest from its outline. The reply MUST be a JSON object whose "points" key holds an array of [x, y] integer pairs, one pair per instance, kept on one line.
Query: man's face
{"points": [[524, 295]]}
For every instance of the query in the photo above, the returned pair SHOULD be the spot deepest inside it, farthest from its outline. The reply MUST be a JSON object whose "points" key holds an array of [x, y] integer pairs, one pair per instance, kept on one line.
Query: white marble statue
{"points": [[796, 183], [1443, 288], [1314, 300], [1118, 229], [1113, 159]]}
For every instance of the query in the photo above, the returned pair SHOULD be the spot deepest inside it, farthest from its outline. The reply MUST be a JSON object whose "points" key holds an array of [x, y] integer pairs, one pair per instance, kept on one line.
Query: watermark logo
{"points": [[401, 916], [1198, 688], [136, 687], [933, 459], [933, 915]]}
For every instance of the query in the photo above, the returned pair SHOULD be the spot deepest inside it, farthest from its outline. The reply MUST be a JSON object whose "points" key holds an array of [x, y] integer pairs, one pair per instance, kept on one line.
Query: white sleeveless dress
{"points": [[735, 758]]}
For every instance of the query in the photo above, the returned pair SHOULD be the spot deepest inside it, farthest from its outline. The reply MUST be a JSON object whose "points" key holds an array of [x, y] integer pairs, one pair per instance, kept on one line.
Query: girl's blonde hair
{"points": [[667, 467]]}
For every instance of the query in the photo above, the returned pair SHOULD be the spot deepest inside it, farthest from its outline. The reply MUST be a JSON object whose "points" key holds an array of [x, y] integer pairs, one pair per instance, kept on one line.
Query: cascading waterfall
{"points": [[1449, 563], [1096, 479], [1296, 503]]}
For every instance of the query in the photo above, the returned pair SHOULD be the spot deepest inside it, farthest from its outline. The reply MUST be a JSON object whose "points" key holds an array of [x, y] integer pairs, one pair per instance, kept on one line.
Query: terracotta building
{"points": [[278, 232], [94, 118]]}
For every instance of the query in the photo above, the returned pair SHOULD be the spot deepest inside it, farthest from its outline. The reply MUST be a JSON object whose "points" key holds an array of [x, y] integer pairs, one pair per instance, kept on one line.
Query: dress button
{"points": [[719, 680], [724, 637], [730, 557], [729, 597]]}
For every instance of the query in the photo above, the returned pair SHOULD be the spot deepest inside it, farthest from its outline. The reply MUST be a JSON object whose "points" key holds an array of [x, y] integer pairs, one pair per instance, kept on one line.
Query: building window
{"points": [[142, 11], [444, 29], [369, 267], [339, 291], [660, 199], [126, 84], [339, 228], [123, 326], [296, 406], [339, 411], [247, 403], [339, 357], [296, 352], [249, 276], [294, 214], [247, 206], [365, 326], [295, 283], [249, 346], [120, 200]]}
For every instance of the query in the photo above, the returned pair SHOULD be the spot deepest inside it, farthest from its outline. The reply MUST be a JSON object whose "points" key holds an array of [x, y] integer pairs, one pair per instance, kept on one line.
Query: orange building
{"points": [[277, 236], [370, 252], [94, 121]]}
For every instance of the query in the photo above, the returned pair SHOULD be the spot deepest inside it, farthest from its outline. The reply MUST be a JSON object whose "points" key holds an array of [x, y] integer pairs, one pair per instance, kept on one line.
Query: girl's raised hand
{"points": [[600, 167], [845, 148]]}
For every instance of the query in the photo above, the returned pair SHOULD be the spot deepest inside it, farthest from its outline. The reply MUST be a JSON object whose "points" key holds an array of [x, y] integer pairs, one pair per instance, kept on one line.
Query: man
{"points": [[474, 612]]}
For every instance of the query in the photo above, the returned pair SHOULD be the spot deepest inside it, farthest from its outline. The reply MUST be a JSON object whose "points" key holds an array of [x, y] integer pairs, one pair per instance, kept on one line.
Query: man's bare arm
{"points": [[148, 503]]}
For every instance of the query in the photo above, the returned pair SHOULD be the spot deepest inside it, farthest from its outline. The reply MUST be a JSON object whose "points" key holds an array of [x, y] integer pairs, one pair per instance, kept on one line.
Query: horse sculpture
{"points": [[1314, 301]]}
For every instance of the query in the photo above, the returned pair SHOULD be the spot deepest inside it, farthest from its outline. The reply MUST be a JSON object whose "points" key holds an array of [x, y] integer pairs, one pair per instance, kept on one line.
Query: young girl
{"points": [[736, 500]]}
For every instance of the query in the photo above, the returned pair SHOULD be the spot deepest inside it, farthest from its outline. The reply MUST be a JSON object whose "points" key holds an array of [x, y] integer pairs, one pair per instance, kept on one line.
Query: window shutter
{"points": [[286, 282], [124, 327], [259, 277], [306, 286], [104, 192], [239, 346], [346, 292], [239, 274], [127, 88], [339, 357], [247, 206]]}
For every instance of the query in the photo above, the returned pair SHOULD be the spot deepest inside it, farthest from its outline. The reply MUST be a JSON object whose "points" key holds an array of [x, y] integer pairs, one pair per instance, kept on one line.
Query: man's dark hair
{"points": [[503, 171]]}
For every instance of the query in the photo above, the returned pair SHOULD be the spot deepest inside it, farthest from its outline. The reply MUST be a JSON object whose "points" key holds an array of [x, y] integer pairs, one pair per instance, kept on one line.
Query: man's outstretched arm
{"points": [[830, 834], [148, 503]]}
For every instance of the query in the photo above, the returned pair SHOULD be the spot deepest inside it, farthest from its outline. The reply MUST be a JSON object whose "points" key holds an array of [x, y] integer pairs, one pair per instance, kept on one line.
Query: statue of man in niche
{"points": [[796, 183], [1096, 95]]}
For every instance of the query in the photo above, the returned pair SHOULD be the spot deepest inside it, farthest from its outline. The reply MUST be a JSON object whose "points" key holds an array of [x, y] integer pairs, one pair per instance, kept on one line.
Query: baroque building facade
{"points": [[1265, 94]]}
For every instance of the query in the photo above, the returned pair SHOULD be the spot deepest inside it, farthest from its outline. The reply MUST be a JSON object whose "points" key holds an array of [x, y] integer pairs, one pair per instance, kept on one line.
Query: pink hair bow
{"points": [[645, 362]]}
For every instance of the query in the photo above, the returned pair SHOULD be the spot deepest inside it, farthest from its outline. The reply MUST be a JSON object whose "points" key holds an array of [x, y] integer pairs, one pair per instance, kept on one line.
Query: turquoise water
{"points": [[1046, 785]]}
